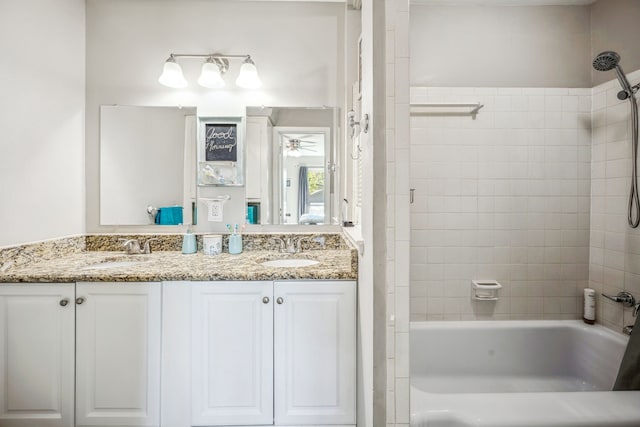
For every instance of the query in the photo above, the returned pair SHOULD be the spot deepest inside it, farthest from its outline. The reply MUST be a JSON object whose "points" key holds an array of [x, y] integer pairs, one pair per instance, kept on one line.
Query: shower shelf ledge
{"points": [[446, 109]]}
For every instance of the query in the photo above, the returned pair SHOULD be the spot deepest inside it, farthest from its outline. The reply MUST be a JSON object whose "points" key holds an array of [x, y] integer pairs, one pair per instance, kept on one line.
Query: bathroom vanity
{"points": [[179, 340]]}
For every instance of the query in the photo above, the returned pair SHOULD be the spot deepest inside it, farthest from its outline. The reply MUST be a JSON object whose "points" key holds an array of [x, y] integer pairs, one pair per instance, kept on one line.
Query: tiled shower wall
{"points": [[505, 196], [398, 215], [615, 247]]}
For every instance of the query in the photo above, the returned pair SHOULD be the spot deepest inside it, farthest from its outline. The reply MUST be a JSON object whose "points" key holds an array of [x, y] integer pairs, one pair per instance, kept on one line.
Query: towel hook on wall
{"points": [[363, 124]]}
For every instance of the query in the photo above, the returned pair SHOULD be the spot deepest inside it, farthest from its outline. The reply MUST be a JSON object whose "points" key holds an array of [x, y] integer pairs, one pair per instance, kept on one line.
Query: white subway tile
{"points": [[402, 355], [556, 91], [536, 91], [553, 103], [402, 34], [402, 401], [570, 103]]}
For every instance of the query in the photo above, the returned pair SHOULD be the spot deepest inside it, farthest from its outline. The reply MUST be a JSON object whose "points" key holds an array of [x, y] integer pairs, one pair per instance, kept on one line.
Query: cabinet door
{"points": [[118, 354], [36, 351], [232, 353], [315, 353]]}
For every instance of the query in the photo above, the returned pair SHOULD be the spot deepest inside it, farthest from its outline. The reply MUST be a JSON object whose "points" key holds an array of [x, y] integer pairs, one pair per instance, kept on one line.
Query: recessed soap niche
{"points": [[485, 290]]}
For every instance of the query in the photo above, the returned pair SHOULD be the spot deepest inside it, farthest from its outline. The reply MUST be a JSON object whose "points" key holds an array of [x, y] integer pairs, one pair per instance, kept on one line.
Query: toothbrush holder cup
{"points": [[235, 244]]}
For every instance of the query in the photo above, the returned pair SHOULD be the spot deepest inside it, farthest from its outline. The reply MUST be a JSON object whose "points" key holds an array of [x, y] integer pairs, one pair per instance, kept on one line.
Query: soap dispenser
{"points": [[189, 245]]}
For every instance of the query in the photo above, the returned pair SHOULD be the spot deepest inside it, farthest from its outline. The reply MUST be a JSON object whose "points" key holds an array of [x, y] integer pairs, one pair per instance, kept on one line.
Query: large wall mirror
{"points": [[148, 161]]}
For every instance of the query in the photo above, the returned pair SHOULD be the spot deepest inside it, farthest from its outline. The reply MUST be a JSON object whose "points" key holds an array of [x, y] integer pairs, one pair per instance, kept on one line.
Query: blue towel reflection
{"points": [[170, 215]]}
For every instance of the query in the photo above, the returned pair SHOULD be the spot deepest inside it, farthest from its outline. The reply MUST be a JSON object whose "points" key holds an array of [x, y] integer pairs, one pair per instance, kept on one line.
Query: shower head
{"points": [[609, 60], [606, 61]]}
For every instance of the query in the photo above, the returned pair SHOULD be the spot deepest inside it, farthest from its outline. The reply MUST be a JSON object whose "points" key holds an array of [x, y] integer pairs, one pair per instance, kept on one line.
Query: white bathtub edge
{"points": [[592, 409]]}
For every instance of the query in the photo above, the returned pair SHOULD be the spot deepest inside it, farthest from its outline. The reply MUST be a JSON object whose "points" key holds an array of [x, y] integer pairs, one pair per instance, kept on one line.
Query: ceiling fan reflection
{"points": [[295, 146]]}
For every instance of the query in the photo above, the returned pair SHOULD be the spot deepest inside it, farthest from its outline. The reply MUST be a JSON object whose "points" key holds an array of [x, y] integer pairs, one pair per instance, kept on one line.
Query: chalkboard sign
{"points": [[221, 142], [220, 151]]}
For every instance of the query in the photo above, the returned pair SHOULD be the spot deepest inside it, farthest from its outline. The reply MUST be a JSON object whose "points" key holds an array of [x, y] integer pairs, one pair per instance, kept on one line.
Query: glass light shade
{"points": [[293, 153], [210, 76], [248, 77], [172, 75]]}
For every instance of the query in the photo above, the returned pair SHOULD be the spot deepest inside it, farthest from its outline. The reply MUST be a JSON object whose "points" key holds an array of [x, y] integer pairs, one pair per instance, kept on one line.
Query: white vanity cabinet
{"points": [[229, 353], [259, 346], [118, 332], [37, 351]]}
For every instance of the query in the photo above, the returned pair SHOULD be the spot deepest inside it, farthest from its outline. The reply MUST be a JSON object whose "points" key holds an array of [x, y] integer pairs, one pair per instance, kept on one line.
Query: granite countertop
{"points": [[336, 264]]}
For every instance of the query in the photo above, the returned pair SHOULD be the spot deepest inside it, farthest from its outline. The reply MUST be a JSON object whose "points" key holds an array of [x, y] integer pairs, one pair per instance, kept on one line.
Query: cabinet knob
{"points": [[80, 300], [265, 300], [64, 302], [279, 300]]}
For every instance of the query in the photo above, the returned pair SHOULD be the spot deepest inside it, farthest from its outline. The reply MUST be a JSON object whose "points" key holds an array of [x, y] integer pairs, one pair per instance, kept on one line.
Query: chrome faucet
{"points": [[287, 244], [293, 245], [132, 246]]}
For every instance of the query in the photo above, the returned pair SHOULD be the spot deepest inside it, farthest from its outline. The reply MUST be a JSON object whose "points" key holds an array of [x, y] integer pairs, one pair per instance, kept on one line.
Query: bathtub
{"points": [[518, 374]]}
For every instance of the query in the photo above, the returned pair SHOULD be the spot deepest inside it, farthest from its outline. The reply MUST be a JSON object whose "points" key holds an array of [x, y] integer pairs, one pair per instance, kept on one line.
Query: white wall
{"points": [[505, 197], [543, 46], [42, 119], [297, 47], [615, 247], [614, 26]]}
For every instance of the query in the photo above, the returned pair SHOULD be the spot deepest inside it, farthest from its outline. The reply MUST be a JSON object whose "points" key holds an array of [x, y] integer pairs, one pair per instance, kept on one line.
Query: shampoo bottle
{"points": [[189, 245], [589, 315]]}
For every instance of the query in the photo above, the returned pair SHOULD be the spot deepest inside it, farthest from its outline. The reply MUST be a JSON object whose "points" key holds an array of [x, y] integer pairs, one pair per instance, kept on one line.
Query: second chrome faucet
{"points": [[293, 244], [132, 246]]}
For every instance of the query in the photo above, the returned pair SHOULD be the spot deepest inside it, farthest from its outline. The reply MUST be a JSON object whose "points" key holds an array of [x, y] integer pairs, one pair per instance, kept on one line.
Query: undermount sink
{"points": [[287, 260], [292, 262], [115, 262]]}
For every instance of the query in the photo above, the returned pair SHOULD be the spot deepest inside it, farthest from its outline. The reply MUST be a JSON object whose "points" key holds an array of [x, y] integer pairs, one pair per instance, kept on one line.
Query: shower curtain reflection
{"points": [[303, 191]]}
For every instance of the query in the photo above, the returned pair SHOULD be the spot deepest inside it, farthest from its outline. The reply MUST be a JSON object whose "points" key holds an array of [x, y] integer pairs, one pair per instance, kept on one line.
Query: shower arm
{"points": [[622, 78]]}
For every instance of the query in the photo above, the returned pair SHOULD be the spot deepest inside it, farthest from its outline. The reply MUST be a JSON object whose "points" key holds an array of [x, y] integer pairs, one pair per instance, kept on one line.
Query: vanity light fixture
{"points": [[214, 67]]}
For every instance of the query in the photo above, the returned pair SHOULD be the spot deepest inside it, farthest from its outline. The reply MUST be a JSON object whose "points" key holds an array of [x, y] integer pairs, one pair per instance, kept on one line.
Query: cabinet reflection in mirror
{"points": [[291, 163], [147, 165]]}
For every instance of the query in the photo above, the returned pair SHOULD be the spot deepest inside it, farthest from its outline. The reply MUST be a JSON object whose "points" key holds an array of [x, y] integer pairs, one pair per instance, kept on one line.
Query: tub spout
{"points": [[627, 330]]}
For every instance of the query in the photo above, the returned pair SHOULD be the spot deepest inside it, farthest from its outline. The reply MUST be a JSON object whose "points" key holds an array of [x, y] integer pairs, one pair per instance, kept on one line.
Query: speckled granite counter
{"points": [[338, 263]]}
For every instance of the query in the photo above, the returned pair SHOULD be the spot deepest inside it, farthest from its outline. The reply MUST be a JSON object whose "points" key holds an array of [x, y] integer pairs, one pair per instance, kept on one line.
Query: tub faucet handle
{"points": [[625, 298]]}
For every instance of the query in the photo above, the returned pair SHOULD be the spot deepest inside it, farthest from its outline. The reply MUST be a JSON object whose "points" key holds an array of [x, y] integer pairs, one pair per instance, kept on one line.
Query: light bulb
{"points": [[210, 77], [248, 77], [172, 75]]}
